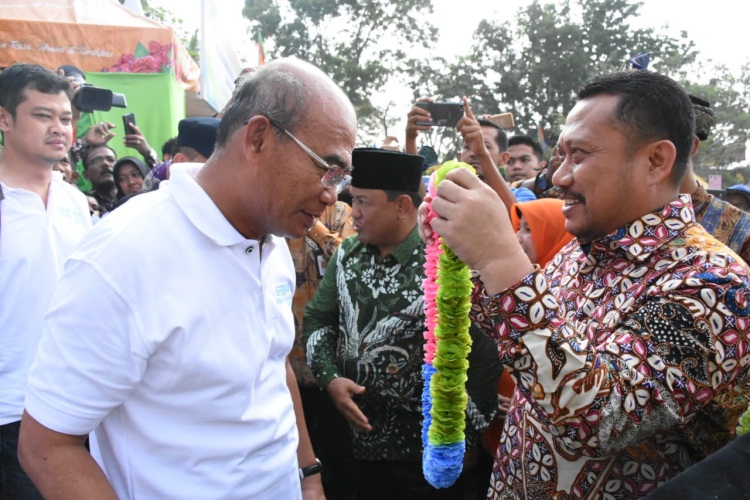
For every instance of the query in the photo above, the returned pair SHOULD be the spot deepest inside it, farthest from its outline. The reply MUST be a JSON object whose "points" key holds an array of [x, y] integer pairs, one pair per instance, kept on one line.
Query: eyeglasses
{"points": [[336, 176]]}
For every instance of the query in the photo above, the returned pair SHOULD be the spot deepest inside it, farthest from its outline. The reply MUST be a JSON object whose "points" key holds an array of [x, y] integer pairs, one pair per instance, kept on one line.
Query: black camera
{"points": [[90, 98]]}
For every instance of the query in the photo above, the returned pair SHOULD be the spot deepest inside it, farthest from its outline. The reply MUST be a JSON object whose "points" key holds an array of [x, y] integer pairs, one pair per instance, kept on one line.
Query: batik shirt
{"points": [[727, 223], [311, 255], [630, 356], [366, 323]]}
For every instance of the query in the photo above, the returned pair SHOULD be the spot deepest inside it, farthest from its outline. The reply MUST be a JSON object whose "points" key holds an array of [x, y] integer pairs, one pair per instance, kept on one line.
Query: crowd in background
{"points": [[609, 335]]}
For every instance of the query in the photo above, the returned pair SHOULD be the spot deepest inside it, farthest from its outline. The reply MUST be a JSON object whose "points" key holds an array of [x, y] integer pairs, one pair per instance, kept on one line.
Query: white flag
{"points": [[220, 65]]}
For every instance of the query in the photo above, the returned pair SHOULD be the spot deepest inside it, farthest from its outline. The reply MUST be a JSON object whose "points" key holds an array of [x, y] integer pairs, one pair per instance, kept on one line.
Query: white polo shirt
{"points": [[34, 243], [168, 336]]}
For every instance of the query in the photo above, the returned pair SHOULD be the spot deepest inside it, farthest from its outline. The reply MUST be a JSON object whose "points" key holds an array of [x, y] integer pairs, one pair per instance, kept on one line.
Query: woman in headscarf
{"points": [[129, 173], [540, 228]]}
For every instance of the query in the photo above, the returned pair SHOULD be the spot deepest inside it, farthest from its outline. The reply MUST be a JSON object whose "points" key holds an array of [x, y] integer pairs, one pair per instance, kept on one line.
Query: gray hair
{"points": [[275, 91]]}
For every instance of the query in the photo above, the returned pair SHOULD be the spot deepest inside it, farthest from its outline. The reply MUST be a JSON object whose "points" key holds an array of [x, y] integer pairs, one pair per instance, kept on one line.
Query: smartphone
{"points": [[127, 120], [503, 120], [444, 114]]}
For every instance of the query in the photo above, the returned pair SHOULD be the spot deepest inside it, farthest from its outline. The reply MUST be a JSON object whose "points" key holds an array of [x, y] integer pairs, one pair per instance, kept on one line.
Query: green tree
{"points": [[360, 44], [533, 66], [729, 97]]}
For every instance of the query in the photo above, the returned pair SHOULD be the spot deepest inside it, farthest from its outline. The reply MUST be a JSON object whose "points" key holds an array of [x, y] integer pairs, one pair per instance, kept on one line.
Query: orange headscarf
{"points": [[547, 224]]}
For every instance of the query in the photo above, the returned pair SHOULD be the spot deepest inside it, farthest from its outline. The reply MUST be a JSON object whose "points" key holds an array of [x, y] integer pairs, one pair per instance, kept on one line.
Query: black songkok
{"points": [[386, 170]]}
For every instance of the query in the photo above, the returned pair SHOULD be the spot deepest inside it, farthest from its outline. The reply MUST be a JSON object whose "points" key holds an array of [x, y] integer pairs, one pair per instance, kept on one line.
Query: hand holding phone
{"points": [[127, 120], [444, 114]]}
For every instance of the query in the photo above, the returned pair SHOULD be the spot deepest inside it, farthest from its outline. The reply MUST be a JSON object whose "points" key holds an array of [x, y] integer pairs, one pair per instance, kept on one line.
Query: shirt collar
{"points": [[200, 209], [404, 252], [642, 237]]}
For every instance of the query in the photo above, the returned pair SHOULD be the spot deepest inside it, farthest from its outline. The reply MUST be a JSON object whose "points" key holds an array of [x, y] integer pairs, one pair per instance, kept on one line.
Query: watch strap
{"points": [[310, 470]]}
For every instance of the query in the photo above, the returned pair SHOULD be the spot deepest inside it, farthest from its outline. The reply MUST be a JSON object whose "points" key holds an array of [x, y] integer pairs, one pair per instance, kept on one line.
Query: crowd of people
{"points": [[242, 315]]}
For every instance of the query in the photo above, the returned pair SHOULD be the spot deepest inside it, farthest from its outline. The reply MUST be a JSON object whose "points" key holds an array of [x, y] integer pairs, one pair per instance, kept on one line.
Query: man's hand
{"points": [[137, 140], [416, 114], [99, 134], [471, 132], [490, 246], [342, 391], [312, 488]]}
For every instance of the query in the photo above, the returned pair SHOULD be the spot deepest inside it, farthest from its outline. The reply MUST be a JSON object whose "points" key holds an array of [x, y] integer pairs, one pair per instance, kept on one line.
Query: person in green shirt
{"points": [[365, 325]]}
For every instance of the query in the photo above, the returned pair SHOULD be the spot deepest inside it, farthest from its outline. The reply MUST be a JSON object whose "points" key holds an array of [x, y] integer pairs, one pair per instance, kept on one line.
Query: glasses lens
{"points": [[333, 175], [342, 183]]}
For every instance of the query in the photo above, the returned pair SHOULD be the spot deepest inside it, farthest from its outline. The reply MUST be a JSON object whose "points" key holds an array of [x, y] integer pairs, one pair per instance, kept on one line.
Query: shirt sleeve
{"points": [[523, 194], [677, 348], [321, 326], [68, 391]]}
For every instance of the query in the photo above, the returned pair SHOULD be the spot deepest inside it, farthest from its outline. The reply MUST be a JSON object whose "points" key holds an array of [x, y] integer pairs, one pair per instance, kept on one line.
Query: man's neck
{"points": [[106, 192], [402, 233], [16, 172], [689, 182]]}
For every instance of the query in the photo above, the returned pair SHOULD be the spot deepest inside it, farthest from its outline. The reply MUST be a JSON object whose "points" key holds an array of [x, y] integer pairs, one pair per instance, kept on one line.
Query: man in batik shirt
{"points": [[630, 350], [724, 221], [365, 327]]}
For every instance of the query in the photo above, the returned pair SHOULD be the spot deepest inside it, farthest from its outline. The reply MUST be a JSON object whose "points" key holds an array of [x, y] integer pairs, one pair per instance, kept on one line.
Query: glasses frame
{"points": [[336, 176]]}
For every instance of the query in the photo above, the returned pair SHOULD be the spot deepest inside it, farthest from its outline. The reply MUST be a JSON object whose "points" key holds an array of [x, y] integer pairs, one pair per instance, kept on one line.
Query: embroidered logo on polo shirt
{"points": [[283, 294]]}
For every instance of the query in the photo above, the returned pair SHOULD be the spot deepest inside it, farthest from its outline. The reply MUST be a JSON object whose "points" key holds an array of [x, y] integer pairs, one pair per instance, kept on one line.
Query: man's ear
{"points": [[542, 165], [180, 158], [696, 143], [405, 205], [661, 158], [504, 158], [256, 134], [6, 120]]}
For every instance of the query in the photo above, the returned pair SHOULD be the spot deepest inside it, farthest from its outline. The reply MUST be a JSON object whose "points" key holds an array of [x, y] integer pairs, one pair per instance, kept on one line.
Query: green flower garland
{"points": [[447, 303]]}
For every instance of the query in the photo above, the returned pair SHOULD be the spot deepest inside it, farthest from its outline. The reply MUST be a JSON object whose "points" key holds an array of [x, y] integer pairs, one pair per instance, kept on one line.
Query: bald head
{"points": [[285, 90]]}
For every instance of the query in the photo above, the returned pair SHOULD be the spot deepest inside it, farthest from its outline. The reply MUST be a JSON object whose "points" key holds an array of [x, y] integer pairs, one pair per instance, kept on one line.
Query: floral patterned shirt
{"points": [[630, 356], [724, 221], [366, 323]]}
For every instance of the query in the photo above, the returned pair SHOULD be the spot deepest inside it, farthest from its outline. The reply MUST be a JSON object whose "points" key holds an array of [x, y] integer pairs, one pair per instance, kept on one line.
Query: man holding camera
{"points": [[42, 218]]}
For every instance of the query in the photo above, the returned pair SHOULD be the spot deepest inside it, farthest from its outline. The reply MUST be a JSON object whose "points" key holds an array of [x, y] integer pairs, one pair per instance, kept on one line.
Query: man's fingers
{"points": [[356, 417], [467, 109]]}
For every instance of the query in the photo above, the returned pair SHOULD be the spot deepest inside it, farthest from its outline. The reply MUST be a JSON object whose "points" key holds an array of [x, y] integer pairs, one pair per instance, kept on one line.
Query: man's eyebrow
{"points": [[334, 160], [50, 110]]}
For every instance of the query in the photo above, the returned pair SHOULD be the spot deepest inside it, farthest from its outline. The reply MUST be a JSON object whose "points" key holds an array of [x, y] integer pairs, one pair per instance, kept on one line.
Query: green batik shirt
{"points": [[366, 323]]}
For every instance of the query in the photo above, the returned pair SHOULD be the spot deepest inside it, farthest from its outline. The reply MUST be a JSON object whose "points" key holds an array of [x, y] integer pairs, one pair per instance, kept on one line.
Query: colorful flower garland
{"points": [[447, 289]]}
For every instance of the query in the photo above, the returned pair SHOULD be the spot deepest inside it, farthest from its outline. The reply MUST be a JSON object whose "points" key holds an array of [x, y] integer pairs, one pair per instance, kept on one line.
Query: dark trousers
{"points": [[14, 483], [329, 435]]}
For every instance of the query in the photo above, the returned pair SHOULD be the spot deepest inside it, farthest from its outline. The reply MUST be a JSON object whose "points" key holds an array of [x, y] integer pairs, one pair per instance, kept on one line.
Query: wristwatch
{"points": [[310, 470], [541, 183]]}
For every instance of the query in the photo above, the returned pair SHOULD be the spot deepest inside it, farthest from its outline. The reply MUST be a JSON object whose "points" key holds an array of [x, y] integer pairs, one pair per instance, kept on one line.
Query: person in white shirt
{"points": [[183, 373], [42, 218]]}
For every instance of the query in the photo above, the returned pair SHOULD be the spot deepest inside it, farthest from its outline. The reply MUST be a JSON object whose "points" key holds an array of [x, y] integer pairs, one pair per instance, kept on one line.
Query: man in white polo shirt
{"points": [[42, 218], [183, 371]]}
